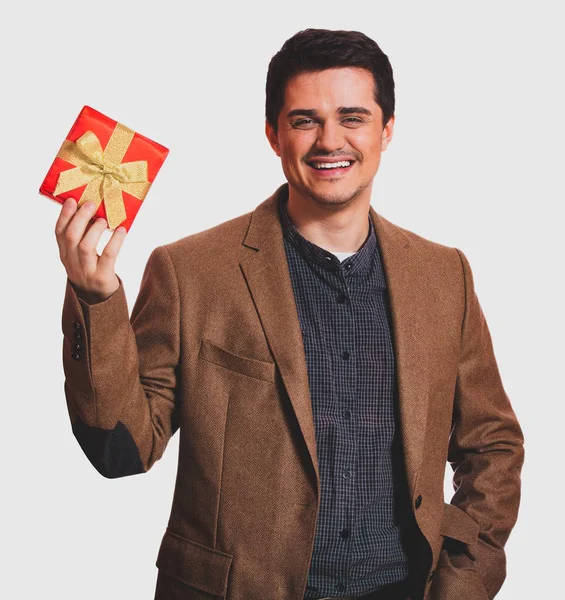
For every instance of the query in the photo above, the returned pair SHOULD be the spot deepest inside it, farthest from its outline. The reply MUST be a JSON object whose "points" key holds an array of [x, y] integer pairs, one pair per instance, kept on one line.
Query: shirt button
{"points": [[345, 355], [340, 587], [345, 533], [341, 298], [346, 473], [348, 266], [346, 414], [432, 573]]}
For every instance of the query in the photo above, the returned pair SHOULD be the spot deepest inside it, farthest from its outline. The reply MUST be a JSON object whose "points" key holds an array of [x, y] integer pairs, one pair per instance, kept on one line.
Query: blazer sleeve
{"points": [[121, 372], [486, 448]]}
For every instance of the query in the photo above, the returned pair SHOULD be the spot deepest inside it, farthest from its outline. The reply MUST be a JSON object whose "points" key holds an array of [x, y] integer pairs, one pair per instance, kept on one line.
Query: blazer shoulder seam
{"points": [[173, 269], [465, 289]]}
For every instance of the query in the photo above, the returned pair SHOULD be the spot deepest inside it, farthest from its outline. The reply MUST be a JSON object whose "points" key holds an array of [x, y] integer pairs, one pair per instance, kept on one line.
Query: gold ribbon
{"points": [[103, 172]]}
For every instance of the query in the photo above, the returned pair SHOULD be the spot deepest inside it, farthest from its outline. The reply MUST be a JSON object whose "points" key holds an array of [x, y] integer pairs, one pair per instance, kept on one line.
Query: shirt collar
{"points": [[356, 263]]}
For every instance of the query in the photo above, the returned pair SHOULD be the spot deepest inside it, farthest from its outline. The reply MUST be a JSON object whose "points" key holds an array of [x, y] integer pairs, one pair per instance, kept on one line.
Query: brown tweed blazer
{"points": [[214, 349]]}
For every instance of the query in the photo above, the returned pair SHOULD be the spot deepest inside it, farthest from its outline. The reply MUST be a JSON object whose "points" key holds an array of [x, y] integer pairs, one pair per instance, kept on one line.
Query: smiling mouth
{"points": [[331, 168]]}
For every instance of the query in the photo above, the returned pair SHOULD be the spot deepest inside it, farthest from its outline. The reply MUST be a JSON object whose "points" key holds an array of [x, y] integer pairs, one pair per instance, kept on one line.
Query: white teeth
{"points": [[321, 165]]}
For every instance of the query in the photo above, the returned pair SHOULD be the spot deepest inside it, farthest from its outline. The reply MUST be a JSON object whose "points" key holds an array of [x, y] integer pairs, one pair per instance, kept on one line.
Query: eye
{"points": [[303, 123], [353, 120]]}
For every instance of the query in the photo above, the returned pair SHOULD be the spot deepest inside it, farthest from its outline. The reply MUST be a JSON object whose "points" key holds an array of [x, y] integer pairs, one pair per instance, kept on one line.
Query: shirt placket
{"points": [[344, 392]]}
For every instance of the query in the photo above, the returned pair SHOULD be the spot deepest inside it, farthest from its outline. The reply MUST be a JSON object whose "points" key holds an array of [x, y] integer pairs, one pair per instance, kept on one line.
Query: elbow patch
{"points": [[112, 452]]}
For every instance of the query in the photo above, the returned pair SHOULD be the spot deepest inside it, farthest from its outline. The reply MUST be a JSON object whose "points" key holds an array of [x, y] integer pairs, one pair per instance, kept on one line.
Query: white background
{"points": [[476, 162]]}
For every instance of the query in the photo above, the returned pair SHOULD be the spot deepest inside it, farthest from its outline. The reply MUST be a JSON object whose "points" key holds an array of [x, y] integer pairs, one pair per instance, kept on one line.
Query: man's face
{"points": [[330, 116]]}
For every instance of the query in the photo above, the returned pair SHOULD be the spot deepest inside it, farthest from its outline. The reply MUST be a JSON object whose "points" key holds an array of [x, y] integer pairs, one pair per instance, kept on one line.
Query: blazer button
{"points": [[76, 355], [432, 573], [418, 502], [78, 335], [77, 347], [76, 324]]}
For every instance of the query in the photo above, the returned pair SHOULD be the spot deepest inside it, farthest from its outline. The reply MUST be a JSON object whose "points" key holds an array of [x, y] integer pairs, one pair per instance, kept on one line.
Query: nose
{"points": [[330, 137]]}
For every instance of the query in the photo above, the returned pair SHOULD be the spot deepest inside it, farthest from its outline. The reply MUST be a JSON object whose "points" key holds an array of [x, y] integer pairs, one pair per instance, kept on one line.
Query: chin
{"points": [[334, 197]]}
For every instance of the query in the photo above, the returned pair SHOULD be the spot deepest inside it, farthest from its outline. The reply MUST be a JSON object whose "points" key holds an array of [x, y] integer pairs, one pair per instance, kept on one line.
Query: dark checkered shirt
{"points": [[351, 371]]}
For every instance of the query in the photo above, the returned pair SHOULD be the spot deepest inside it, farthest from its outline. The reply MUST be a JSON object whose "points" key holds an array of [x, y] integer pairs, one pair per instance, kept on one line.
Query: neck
{"points": [[336, 228]]}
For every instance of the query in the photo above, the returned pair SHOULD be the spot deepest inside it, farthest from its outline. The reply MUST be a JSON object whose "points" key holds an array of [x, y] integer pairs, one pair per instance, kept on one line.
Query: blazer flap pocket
{"points": [[194, 564], [457, 524], [251, 367]]}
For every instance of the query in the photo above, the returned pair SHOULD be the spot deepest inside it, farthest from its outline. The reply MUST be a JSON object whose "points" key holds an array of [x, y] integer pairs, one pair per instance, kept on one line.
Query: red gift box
{"points": [[107, 163]]}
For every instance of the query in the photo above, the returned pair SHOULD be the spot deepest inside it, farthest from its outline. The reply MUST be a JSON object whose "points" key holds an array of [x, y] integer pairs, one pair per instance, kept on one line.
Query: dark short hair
{"points": [[319, 49]]}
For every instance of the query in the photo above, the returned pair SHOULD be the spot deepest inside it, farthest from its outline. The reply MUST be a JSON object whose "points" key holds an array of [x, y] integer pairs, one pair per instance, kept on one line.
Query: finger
{"points": [[75, 229], [68, 209], [110, 253], [89, 225], [87, 246]]}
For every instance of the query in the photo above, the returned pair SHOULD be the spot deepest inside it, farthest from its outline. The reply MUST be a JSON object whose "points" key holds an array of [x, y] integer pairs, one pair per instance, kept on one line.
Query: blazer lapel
{"points": [[268, 278], [406, 283]]}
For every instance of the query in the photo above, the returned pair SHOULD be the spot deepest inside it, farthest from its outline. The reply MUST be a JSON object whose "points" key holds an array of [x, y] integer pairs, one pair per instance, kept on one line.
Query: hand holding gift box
{"points": [[104, 162]]}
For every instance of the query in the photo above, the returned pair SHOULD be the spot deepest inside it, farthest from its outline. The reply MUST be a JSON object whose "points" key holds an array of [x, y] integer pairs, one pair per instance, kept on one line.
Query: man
{"points": [[321, 363]]}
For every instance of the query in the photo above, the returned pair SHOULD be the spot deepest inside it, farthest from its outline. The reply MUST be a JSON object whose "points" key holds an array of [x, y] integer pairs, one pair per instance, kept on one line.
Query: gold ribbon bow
{"points": [[103, 172]]}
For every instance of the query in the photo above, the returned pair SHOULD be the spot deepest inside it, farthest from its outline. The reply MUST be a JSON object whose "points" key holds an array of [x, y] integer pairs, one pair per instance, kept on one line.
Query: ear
{"points": [[273, 138], [387, 133]]}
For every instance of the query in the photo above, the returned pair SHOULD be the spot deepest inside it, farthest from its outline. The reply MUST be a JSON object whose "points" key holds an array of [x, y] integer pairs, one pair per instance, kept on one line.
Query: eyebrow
{"points": [[348, 110], [342, 110]]}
